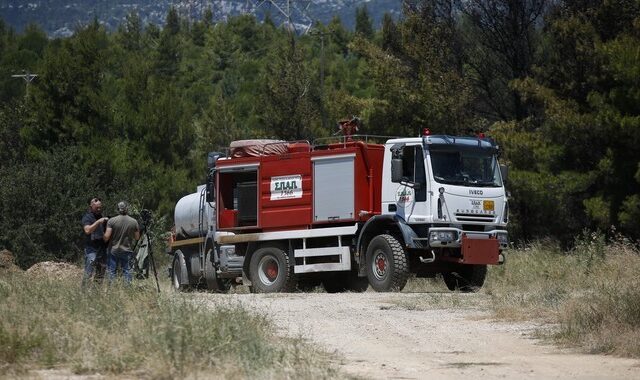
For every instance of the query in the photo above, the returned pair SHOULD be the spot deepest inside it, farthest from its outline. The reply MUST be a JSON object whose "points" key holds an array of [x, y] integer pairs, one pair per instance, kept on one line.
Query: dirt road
{"points": [[375, 337]]}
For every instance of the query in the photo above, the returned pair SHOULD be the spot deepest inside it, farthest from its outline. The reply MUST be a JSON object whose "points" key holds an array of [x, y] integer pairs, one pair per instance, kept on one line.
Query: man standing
{"points": [[94, 246], [121, 232]]}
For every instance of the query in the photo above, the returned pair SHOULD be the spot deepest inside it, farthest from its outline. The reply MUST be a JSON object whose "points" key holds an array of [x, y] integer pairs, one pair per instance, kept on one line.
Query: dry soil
{"points": [[373, 338]]}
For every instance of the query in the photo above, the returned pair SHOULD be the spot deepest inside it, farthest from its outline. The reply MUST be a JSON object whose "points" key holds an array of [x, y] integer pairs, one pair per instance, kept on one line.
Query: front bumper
{"points": [[450, 237]]}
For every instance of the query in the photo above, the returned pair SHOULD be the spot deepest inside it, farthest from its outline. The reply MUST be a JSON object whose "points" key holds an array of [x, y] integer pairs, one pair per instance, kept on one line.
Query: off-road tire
{"points": [[466, 278], [387, 264], [450, 280], [214, 283], [264, 279], [176, 273]]}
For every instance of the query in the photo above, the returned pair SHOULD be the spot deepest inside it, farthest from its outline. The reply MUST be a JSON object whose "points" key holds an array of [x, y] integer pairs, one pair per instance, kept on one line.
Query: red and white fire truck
{"points": [[346, 214]]}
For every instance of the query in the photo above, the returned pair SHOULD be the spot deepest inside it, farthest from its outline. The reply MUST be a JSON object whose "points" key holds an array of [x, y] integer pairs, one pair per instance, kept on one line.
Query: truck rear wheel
{"points": [[270, 272], [387, 264], [177, 275], [467, 278], [214, 283]]}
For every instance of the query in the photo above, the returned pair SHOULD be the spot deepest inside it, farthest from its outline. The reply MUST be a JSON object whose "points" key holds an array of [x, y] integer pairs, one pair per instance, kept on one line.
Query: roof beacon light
{"points": [[426, 132]]}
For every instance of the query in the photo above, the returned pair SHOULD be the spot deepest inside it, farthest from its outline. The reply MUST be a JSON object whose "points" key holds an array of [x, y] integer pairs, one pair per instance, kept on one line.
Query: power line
{"points": [[294, 12]]}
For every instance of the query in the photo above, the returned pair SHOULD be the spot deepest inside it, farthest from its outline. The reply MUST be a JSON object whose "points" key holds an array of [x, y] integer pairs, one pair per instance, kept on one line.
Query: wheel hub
{"points": [[268, 270], [380, 265], [272, 271]]}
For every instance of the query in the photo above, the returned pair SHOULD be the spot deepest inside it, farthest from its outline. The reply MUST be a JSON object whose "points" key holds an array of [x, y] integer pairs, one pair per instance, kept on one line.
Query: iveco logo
{"points": [[475, 192]]}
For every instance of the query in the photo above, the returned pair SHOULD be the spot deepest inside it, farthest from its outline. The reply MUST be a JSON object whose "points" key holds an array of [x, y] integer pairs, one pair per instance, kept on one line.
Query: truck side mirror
{"points": [[396, 170], [504, 170], [212, 157], [210, 188]]}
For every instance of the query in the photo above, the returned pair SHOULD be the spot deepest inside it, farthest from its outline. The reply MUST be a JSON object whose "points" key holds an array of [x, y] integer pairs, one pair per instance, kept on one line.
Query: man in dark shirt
{"points": [[93, 224], [121, 232]]}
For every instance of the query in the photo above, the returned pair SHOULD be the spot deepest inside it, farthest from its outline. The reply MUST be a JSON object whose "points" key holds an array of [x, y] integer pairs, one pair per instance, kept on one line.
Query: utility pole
{"points": [[28, 78]]}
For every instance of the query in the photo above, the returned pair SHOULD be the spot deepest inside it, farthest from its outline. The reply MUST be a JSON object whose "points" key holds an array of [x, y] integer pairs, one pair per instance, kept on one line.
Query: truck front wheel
{"points": [[270, 272], [387, 264], [466, 278]]}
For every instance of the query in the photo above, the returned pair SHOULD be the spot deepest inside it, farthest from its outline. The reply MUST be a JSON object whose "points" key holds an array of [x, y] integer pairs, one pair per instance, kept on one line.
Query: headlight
{"points": [[442, 236]]}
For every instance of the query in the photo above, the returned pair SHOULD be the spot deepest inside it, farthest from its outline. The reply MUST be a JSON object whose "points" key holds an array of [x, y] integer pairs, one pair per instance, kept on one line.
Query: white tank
{"points": [[187, 214]]}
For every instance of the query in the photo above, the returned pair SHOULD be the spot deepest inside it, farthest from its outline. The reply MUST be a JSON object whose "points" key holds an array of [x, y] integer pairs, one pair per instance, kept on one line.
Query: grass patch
{"points": [[439, 300], [592, 292], [431, 293], [425, 285], [120, 330]]}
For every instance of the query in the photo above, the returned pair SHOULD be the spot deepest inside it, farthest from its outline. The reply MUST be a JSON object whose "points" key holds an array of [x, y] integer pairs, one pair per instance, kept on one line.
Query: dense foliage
{"points": [[131, 114]]}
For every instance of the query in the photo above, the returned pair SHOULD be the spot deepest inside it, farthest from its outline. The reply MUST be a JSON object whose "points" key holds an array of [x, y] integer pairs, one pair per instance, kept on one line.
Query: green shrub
{"points": [[41, 204], [592, 292]]}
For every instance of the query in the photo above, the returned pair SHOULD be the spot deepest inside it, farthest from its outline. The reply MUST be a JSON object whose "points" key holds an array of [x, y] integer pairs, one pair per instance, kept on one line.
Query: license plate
{"points": [[487, 205]]}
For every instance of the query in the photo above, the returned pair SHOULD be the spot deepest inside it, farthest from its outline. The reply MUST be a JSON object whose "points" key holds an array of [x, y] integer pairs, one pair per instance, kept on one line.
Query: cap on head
{"points": [[123, 208]]}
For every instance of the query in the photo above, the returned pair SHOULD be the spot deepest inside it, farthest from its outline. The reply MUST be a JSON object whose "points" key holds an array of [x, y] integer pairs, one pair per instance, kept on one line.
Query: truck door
{"points": [[411, 196]]}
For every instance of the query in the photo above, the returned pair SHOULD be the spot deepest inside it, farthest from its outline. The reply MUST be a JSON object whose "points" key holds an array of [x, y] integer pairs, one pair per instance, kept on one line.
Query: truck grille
{"points": [[486, 218]]}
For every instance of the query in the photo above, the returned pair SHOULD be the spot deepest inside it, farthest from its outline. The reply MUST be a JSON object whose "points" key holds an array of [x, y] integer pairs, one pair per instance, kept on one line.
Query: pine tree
{"points": [[390, 35], [364, 26], [172, 22]]}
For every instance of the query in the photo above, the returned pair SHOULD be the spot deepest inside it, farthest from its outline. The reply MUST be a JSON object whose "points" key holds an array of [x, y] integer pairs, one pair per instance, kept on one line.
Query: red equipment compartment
{"points": [[367, 176], [236, 197], [285, 187], [480, 251]]}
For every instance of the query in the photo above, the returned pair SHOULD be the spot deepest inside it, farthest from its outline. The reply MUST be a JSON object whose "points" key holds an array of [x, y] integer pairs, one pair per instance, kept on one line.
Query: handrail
{"points": [[346, 139], [326, 140]]}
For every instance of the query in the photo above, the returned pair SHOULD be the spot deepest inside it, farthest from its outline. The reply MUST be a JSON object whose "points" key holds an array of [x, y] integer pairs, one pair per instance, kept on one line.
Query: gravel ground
{"points": [[374, 338]]}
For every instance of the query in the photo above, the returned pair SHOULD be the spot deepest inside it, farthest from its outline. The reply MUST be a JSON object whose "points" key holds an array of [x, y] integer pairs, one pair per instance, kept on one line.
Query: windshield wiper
{"points": [[486, 184], [450, 180]]}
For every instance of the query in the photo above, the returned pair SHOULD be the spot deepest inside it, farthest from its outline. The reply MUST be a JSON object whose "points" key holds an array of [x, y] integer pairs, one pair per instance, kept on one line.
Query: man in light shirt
{"points": [[122, 231]]}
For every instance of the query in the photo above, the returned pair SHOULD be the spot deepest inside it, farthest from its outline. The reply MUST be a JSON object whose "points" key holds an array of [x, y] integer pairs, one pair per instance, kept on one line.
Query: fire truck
{"points": [[345, 214]]}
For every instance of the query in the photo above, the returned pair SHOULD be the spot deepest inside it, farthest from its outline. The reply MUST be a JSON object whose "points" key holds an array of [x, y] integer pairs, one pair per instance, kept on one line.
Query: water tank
{"points": [[187, 215]]}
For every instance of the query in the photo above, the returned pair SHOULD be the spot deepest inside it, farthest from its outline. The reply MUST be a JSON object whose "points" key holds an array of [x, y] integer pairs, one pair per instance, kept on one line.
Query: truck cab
{"points": [[450, 192]]}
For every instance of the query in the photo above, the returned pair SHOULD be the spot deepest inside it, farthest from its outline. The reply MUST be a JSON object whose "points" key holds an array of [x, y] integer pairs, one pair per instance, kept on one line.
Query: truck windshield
{"points": [[466, 168]]}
